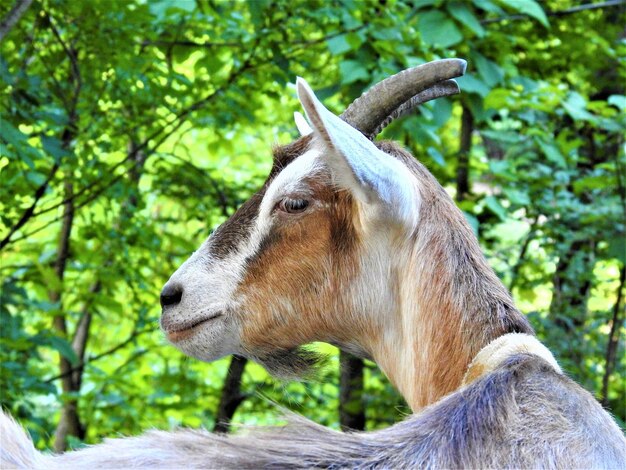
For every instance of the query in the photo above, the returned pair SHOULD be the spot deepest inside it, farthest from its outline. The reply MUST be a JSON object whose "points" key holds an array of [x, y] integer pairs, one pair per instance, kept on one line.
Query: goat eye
{"points": [[293, 206]]}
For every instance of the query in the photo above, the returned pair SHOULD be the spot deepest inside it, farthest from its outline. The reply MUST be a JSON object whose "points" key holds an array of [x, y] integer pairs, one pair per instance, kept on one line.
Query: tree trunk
{"points": [[231, 395], [351, 406], [465, 147], [616, 324], [69, 423]]}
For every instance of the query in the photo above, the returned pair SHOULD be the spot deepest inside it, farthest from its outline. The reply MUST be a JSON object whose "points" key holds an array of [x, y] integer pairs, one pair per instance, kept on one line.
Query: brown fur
{"points": [[296, 286], [283, 155], [323, 243]]}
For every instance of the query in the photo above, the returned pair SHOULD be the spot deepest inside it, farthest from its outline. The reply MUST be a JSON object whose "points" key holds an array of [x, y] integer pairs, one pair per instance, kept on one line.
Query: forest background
{"points": [[130, 129]]}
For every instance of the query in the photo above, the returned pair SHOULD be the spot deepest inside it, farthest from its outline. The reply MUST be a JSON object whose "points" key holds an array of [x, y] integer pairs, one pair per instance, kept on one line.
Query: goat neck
{"points": [[448, 303]]}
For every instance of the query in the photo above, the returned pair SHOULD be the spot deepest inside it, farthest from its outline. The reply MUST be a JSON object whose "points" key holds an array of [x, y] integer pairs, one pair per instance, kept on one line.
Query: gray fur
{"points": [[522, 415]]}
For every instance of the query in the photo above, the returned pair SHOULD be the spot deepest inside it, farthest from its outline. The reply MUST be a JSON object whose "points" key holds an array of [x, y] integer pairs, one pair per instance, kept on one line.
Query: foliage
{"points": [[145, 124]]}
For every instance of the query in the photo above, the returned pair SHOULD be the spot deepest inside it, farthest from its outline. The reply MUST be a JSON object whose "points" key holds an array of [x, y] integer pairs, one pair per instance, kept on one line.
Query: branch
{"points": [[69, 423], [211, 44], [83, 203], [108, 352], [219, 193], [188, 43], [522, 253], [351, 404], [568, 11], [28, 213], [465, 148], [68, 134], [13, 16], [93, 184], [75, 71], [163, 135], [81, 334]]}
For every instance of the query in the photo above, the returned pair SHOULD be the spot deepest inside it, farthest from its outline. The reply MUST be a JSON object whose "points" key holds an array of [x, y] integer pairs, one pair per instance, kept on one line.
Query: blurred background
{"points": [[130, 129]]}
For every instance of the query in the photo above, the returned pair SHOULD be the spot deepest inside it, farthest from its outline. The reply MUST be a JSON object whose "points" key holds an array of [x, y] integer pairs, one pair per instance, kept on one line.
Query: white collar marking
{"points": [[492, 355]]}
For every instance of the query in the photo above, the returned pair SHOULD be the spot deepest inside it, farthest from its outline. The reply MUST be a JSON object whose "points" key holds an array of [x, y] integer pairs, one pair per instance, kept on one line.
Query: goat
{"points": [[356, 244]]}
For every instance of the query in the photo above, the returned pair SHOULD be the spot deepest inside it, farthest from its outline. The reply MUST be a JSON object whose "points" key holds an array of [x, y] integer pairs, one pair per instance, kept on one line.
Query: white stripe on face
{"points": [[210, 282], [289, 181]]}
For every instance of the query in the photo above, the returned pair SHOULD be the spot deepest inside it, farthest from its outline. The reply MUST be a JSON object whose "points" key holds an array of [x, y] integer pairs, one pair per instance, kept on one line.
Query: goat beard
{"points": [[292, 364]]}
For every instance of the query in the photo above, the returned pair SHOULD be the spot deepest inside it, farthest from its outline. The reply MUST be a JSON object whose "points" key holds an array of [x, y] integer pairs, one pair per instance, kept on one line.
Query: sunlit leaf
{"points": [[437, 29]]}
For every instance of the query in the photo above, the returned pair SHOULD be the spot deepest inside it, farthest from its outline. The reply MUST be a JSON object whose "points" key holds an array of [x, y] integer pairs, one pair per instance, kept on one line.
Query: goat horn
{"points": [[439, 90], [403, 90]]}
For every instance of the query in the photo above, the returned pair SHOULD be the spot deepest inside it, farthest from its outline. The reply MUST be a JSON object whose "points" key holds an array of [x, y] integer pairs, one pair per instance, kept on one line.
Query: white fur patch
{"points": [[208, 287], [289, 181], [497, 351]]}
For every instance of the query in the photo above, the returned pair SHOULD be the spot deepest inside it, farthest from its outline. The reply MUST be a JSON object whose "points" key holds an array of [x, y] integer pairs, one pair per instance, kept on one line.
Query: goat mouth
{"points": [[188, 329]]}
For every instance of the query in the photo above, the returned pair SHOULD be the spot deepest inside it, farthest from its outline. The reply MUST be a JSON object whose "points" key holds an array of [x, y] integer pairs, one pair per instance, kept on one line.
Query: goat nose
{"points": [[171, 295]]}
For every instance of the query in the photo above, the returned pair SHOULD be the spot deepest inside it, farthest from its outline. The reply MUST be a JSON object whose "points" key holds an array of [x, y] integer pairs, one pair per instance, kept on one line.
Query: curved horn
{"points": [[373, 107], [439, 90]]}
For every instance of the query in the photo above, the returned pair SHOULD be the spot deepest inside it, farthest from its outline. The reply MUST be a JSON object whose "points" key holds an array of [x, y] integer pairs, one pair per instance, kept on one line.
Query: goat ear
{"points": [[357, 164], [301, 124]]}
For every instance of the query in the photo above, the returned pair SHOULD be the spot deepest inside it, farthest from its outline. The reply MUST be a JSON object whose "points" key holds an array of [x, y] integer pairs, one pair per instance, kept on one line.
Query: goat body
{"points": [[521, 414], [356, 244]]}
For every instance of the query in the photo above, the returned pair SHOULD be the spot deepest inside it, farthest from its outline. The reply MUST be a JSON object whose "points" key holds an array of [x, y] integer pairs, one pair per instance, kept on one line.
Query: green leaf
{"points": [[339, 44], [528, 7], [257, 10], [517, 197], [53, 147], [437, 29], [436, 156], [552, 153], [619, 101], [494, 206], [64, 348], [489, 6], [355, 39], [50, 277], [576, 105], [589, 183], [352, 71], [497, 98], [387, 34], [442, 110], [425, 3], [507, 137], [488, 70], [13, 136], [473, 221], [617, 248], [464, 15], [470, 84], [36, 178]]}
